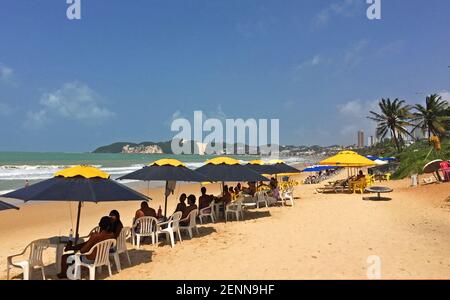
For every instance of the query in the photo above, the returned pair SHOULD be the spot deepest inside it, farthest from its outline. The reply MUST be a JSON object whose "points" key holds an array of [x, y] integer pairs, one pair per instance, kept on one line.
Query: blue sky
{"points": [[127, 67]]}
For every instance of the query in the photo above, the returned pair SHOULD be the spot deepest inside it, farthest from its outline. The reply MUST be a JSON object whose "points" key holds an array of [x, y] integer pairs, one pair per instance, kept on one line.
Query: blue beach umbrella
{"points": [[5, 206], [318, 168], [77, 184]]}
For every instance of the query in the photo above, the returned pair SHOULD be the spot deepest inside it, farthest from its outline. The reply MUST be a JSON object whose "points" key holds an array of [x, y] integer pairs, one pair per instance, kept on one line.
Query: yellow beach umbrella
{"points": [[348, 159], [222, 160], [82, 171], [168, 162], [257, 162]]}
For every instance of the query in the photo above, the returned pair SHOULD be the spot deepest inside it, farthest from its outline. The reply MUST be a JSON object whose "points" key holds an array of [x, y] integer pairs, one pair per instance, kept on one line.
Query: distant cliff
{"points": [[144, 147], [165, 148]]}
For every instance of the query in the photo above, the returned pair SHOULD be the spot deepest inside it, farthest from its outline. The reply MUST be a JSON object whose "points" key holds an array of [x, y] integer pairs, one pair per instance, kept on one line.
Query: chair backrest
{"points": [[174, 220], [96, 229], [146, 225], [37, 248], [238, 203], [193, 218], [211, 205], [122, 239], [101, 250], [260, 196]]}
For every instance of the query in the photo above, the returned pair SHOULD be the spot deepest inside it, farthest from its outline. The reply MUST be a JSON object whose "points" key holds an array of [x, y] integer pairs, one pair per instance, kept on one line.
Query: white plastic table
{"points": [[59, 242]]}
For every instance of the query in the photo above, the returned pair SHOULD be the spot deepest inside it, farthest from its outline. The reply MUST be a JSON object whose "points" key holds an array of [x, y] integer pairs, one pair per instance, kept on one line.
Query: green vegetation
{"points": [[433, 116], [395, 117], [412, 158]]}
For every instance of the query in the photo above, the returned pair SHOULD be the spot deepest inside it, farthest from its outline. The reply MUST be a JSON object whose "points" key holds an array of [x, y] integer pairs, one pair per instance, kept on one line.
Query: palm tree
{"points": [[394, 118], [433, 116]]}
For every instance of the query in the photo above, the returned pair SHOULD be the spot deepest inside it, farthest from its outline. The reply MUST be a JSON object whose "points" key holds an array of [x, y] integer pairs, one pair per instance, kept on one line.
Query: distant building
{"points": [[370, 141], [360, 139], [201, 148]]}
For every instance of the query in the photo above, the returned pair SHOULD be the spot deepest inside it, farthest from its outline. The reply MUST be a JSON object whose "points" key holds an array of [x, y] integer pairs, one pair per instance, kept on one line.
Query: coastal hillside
{"points": [[128, 147], [165, 148], [412, 158]]}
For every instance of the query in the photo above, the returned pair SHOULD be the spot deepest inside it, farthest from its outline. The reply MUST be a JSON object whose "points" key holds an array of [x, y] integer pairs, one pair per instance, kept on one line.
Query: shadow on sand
{"points": [[377, 199], [137, 257]]}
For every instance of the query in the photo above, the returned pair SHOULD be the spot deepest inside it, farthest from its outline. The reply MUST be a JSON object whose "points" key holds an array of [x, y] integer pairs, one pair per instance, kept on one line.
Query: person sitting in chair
{"points": [[192, 206], [204, 200], [95, 238], [145, 211], [360, 175], [181, 206], [116, 224]]}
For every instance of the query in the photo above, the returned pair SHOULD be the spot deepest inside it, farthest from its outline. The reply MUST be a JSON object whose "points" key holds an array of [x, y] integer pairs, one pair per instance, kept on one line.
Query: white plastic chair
{"points": [[146, 226], [287, 195], [34, 260], [102, 251], [121, 247], [261, 198], [173, 226], [235, 209], [192, 218], [207, 212], [96, 229]]}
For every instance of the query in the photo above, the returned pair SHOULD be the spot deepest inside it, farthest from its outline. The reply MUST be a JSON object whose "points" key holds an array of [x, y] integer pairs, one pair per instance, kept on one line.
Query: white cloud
{"points": [[353, 117], [36, 119], [75, 101], [5, 109], [5, 72], [392, 48], [176, 115], [218, 113], [342, 8], [353, 55], [288, 104], [445, 95], [315, 61]]}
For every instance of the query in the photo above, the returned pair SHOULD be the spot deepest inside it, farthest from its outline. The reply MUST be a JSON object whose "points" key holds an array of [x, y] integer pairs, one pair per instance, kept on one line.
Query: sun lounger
{"points": [[338, 186], [429, 180]]}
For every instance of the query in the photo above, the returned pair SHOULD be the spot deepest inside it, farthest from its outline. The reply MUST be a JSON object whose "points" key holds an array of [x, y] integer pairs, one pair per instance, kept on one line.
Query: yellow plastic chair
{"points": [[370, 180], [358, 185]]}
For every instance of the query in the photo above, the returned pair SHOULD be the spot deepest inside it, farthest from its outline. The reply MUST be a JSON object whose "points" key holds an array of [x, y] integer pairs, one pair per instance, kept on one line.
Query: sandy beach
{"points": [[324, 236]]}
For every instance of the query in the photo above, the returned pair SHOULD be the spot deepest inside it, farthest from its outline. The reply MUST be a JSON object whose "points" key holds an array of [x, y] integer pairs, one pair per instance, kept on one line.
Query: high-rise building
{"points": [[370, 141], [360, 139]]}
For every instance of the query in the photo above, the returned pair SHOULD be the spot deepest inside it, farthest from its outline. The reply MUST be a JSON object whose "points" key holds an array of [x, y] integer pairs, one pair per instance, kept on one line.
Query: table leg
{"points": [[59, 254]]}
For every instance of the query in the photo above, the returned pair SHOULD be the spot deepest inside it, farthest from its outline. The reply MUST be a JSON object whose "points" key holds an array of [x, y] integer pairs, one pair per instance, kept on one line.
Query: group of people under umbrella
{"points": [[89, 184]]}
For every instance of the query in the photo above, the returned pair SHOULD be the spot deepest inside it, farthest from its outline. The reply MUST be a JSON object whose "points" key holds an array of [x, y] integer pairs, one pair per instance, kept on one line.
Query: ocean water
{"points": [[17, 167]]}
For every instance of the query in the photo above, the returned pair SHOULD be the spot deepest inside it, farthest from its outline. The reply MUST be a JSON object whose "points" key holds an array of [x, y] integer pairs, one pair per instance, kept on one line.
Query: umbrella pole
{"points": [[223, 187], [165, 201], [78, 222]]}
